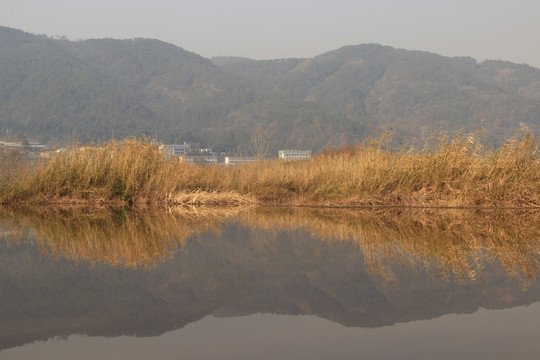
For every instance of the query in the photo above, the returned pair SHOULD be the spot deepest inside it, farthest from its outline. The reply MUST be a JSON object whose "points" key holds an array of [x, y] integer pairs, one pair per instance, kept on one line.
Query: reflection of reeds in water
{"points": [[117, 237], [12, 230], [455, 242], [449, 241]]}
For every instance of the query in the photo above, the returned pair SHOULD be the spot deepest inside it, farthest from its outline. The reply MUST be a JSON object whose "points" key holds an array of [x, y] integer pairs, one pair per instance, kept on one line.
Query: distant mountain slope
{"points": [[410, 90], [58, 90], [46, 90], [97, 89], [228, 60]]}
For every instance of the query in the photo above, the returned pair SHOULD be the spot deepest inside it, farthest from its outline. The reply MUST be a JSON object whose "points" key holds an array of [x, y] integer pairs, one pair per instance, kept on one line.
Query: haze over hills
{"points": [[57, 90]]}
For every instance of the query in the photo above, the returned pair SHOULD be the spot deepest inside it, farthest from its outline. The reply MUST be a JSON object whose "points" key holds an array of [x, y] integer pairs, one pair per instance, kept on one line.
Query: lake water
{"points": [[269, 284]]}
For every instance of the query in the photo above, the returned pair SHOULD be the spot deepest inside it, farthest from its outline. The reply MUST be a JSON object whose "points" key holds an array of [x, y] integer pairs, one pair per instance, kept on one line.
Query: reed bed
{"points": [[452, 173], [447, 173], [127, 172]]}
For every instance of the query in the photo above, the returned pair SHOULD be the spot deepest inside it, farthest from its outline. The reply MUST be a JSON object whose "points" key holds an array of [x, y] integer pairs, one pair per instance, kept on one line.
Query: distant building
{"points": [[210, 160], [12, 144], [175, 150], [207, 152], [34, 145], [294, 154], [235, 160], [27, 145]]}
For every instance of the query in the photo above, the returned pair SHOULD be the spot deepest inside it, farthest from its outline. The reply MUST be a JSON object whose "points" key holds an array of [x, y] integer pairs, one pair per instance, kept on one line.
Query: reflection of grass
{"points": [[456, 173], [117, 237], [13, 230], [450, 241], [456, 242]]}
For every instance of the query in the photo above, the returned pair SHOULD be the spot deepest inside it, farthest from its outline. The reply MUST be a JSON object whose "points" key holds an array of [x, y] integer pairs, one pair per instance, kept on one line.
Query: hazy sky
{"points": [[270, 29]]}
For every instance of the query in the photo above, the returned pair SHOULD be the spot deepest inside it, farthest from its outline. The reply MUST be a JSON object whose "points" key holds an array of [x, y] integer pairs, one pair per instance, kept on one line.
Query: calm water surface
{"points": [[267, 284]]}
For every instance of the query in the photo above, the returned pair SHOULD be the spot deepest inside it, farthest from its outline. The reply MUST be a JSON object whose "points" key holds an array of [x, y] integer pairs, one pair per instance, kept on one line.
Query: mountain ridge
{"points": [[409, 89], [98, 89], [147, 87]]}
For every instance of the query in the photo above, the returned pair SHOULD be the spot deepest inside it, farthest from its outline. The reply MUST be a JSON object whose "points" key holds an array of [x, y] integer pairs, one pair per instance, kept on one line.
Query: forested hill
{"points": [[410, 90], [56, 90]]}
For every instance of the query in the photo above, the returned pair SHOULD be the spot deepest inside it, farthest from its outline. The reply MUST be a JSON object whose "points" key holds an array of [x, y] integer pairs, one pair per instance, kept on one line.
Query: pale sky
{"points": [[271, 29]]}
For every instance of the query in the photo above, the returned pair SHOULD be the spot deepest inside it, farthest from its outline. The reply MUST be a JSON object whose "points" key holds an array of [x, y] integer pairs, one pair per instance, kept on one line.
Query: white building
{"points": [[206, 152], [236, 160], [294, 154], [211, 160], [175, 150]]}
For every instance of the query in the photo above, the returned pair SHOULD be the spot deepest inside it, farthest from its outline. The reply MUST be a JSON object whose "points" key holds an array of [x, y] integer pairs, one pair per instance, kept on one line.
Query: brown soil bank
{"points": [[447, 173]]}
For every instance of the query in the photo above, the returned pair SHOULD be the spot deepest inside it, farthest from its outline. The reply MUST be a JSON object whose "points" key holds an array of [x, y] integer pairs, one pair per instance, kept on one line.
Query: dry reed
{"points": [[457, 173], [451, 173]]}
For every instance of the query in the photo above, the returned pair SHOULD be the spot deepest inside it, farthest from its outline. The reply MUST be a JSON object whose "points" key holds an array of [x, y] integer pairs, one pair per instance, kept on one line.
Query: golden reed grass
{"points": [[456, 173], [126, 172], [450, 173]]}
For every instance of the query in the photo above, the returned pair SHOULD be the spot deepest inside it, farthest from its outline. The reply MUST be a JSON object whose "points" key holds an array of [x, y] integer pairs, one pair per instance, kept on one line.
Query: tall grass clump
{"points": [[131, 171], [125, 171], [456, 172], [12, 167]]}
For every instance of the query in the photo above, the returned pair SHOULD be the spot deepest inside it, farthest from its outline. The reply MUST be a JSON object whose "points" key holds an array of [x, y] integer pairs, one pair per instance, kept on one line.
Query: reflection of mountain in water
{"points": [[239, 269]]}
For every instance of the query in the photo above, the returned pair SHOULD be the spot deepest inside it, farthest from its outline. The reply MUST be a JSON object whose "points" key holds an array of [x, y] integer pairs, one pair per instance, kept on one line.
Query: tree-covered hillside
{"points": [[412, 91], [58, 90], [48, 92]]}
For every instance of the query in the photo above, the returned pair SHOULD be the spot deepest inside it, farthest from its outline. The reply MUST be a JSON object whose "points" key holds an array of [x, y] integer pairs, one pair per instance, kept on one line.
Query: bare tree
{"points": [[258, 143]]}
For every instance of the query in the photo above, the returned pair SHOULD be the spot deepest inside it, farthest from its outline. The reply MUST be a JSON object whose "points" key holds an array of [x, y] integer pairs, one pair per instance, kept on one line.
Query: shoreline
{"points": [[209, 200]]}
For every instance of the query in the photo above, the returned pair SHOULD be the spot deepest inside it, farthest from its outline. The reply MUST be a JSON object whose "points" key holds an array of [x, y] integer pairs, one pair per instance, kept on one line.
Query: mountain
{"points": [[58, 90], [45, 89], [412, 91], [98, 89], [228, 60]]}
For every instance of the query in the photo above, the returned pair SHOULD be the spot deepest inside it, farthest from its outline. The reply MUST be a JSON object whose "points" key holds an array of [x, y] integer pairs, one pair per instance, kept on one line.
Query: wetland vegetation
{"points": [[118, 239], [456, 172]]}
